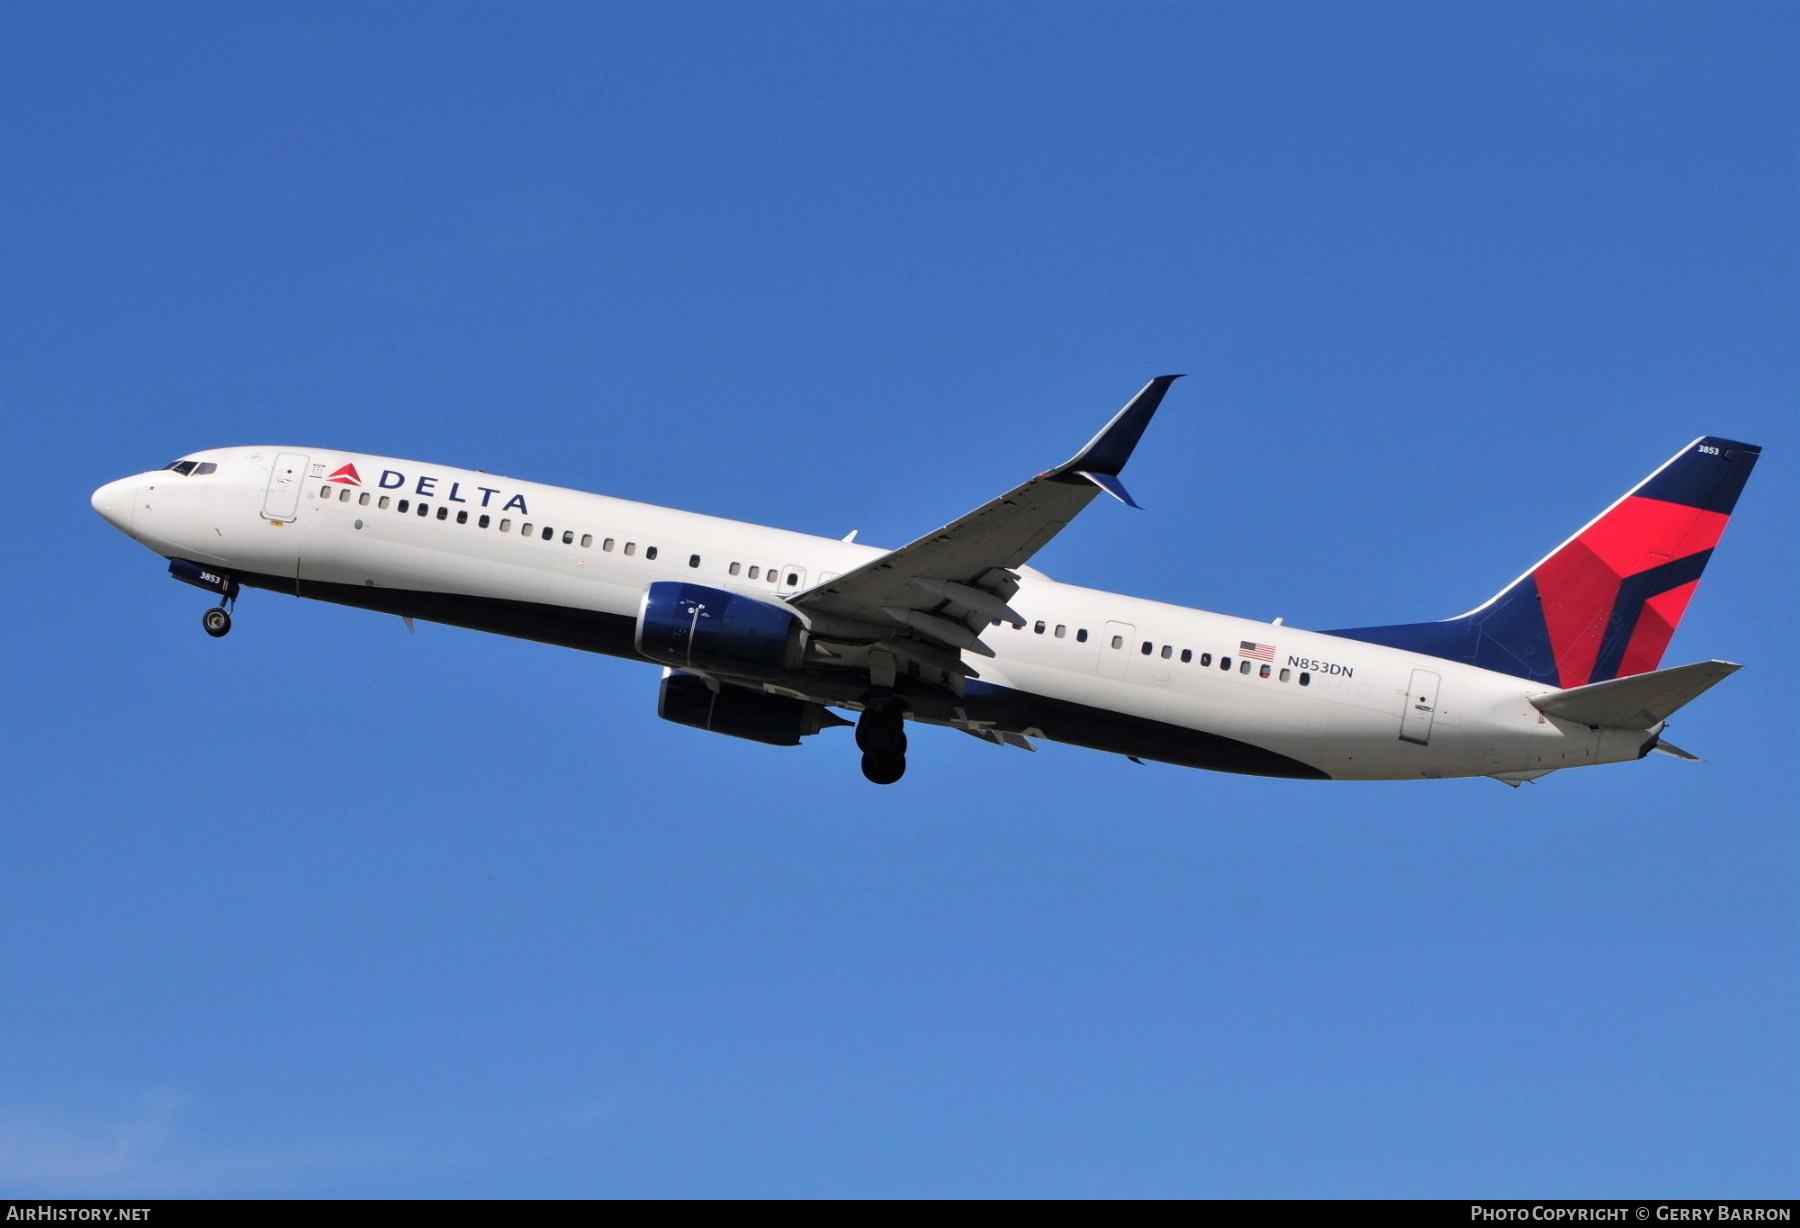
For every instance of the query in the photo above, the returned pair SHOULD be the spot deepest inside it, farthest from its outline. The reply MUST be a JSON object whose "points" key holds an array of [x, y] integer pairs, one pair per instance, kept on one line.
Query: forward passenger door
{"points": [[286, 478]]}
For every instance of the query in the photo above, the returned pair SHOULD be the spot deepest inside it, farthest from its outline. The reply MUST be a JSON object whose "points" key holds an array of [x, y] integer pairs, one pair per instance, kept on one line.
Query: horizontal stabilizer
{"points": [[1669, 748], [1638, 702]]}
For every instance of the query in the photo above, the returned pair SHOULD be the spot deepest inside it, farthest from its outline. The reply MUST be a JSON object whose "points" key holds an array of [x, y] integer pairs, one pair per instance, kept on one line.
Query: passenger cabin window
{"points": [[1148, 648], [630, 548], [1038, 629], [1167, 652], [693, 560], [734, 568], [549, 534], [362, 500], [1225, 663], [482, 521], [1081, 636], [568, 537], [1305, 678], [1206, 658], [444, 512], [1243, 667], [755, 571], [650, 552], [383, 503], [1265, 671], [607, 544], [1187, 654], [324, 491], [424, 509], [505, 524], [402, 506], [1118, 641], [462, 517], [525, 529], [344, 495], [587, 540], [1286, 674], [1061, 630]]}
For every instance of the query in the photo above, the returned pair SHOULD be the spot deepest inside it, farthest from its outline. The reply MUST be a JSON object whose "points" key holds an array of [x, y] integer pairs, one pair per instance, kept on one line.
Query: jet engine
{"points": [[691, 626], [739, 712]]}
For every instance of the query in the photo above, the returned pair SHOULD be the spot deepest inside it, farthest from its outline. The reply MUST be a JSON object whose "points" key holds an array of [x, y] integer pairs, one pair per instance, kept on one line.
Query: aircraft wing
{"points": [[933, 598]]}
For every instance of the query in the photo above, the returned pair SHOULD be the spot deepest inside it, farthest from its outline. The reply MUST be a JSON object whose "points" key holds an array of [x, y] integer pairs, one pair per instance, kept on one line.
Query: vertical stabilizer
{"points": [[1605, 603]]}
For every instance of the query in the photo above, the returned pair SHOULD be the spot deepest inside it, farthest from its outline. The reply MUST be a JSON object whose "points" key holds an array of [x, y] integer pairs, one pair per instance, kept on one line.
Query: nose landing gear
{"points": [[881, 736], [217, 620]]}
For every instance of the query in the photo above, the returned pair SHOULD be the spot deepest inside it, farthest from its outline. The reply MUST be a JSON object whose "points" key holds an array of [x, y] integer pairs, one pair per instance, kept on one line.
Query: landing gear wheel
{"points": [[881, 732], [883, 770], [881, 736], [216, 621]]}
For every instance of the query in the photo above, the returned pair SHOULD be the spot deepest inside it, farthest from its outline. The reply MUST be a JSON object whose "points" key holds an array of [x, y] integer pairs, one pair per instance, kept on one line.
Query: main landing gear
{"points": [[881, 736], [217, 621]]}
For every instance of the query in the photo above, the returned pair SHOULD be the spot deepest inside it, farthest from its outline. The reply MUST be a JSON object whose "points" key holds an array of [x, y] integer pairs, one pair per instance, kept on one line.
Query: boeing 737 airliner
{"points": [[761, 632]]}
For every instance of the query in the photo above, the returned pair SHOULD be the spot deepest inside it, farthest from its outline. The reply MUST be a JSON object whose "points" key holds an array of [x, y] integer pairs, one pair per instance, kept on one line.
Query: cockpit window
{"points": [[205, 467], [184, 467]]}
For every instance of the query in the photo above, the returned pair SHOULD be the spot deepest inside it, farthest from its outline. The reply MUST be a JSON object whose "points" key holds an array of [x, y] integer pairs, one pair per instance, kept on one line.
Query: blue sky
{"points": [[330, 909]]}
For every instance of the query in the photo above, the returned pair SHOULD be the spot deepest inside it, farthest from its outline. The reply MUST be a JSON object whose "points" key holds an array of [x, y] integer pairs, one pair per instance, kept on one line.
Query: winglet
{"points": [[1111, 485], [1107, 452]]}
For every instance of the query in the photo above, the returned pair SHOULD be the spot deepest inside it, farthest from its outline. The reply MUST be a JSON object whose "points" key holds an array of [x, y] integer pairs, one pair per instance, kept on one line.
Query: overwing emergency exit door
{"points": [[1421, 708], [1115, 650], [282, 500]]}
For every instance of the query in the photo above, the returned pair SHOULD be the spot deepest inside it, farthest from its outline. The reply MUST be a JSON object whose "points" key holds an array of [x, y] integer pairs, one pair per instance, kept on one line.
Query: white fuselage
{"points": [[1350, 710]]}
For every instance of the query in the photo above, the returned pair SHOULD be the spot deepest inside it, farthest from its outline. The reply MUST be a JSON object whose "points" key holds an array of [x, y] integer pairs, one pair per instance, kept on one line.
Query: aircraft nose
{"points": [[115, 501]]}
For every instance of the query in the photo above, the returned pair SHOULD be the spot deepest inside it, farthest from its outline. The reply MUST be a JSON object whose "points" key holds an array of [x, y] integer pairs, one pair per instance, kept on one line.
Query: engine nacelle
{"points": [[739, 712], [691, 626]]}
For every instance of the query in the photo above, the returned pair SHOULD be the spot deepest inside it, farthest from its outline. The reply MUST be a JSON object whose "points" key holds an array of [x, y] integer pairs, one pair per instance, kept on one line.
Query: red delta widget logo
{"points": [[347, 475]]}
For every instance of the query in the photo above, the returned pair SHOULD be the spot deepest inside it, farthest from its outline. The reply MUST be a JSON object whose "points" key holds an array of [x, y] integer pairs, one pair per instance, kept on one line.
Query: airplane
{"points": [[767, 635]]}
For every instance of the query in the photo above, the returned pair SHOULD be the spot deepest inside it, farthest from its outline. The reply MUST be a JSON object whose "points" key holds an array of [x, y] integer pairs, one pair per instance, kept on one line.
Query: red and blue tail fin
{"points": [[1605, 603]]}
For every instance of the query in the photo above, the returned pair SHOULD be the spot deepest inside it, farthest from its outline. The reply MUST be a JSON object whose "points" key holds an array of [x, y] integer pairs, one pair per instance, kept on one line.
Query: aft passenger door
{"points": [[1115, 650], [1421, 708], [286, 478]]}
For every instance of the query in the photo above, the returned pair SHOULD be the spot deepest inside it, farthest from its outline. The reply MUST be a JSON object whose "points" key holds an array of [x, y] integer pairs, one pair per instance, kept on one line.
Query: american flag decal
{"points": [[1256, 652]]}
